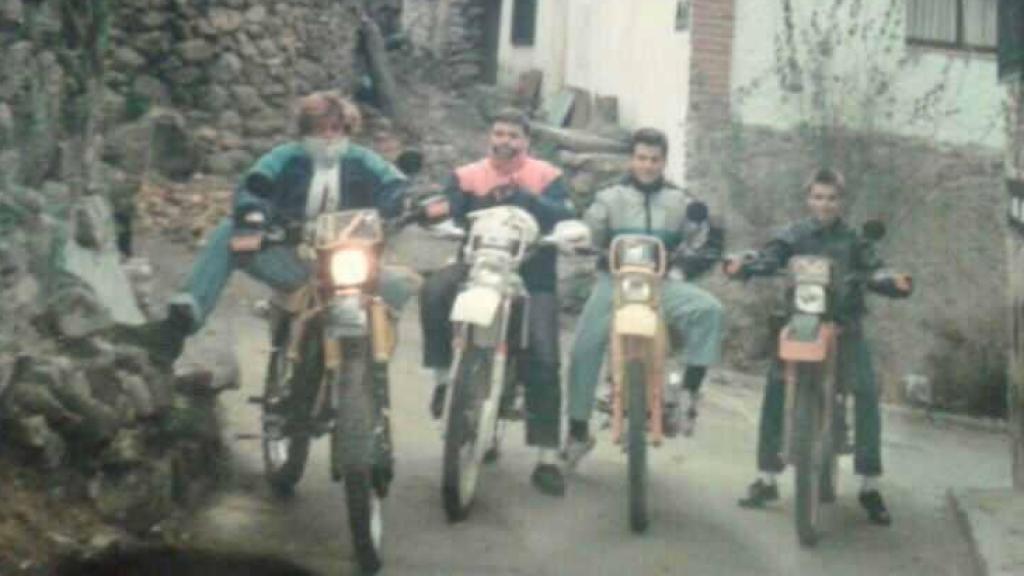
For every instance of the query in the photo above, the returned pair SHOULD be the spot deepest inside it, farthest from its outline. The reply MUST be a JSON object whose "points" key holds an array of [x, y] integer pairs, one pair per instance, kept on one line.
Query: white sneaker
{"points": [[575, 450]]}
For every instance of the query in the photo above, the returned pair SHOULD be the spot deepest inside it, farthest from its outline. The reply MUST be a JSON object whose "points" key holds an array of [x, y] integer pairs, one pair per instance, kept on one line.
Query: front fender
{"points": [[805, 339], [636, 320], [476, 305]]}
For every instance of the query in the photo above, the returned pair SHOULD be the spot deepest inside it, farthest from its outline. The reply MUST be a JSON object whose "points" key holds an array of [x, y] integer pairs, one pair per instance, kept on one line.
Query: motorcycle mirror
{"points": [[410, 162], [873, 230], [697, 211]]}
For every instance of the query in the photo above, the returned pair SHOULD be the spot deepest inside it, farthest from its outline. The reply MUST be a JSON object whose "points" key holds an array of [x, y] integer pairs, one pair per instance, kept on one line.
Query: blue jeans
{"points": [[277, 266], [691, 312]]}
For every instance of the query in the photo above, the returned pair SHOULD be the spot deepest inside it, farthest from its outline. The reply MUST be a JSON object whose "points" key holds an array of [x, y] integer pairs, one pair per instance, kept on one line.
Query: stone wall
{"points": [[451, 30], [233, 67]]}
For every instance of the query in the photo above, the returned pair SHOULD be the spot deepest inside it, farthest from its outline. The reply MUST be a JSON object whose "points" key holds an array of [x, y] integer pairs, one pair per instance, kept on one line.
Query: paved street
{"points": [[696, 526]]}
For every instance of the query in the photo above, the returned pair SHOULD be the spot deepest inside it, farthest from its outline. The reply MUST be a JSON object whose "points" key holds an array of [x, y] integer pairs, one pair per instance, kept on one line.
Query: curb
{"points": [[964, 520]]}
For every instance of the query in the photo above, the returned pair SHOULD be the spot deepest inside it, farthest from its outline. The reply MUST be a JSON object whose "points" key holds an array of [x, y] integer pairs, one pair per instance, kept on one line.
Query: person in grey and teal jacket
{"points": [[644, 203], [290, 184]]}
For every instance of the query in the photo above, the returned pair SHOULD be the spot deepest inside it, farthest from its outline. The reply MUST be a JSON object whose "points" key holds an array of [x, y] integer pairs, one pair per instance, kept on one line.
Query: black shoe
{"points": [[163, 341], [872, 502], [548, 479], [437, 401], [759, 493]]}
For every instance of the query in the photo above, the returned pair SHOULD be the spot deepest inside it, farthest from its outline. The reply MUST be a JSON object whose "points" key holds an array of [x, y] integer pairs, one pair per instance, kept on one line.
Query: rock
{"points": [[11, 13], [138, 393], [137, 498], [35, 434], [153, 19], [160, 141], [267, 123], [152, 89], [152, 44], [229, 163], [230, 120], [195, 51], [225, 21], [98, 422], [125, 450], [6, 125], [127, 58], [256, 15], [595, 162], [227, 68], [247, 99], [93, 258]]}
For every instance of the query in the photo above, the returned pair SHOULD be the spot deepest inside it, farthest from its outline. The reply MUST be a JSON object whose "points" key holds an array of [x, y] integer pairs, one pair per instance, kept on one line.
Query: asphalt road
{"points": [[696, 527]]}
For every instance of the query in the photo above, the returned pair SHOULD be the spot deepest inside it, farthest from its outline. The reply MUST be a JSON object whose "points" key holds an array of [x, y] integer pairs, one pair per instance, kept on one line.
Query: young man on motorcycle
{"points": [[508, 175], [291, 184], [825, 233], [645, 203]]}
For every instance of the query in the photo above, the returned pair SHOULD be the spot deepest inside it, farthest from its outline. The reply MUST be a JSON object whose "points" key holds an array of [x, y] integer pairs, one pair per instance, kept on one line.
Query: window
{"points": [[958, 24], [683, 15], [524, 22]]}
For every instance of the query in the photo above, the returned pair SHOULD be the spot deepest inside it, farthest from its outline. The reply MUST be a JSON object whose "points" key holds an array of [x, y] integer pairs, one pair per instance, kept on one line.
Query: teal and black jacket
{"points": [[657, 210], [278, 183]]}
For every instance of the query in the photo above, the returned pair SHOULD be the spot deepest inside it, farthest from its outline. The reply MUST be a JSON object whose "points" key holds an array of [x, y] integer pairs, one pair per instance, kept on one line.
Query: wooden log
{"points": [[578, 140]]}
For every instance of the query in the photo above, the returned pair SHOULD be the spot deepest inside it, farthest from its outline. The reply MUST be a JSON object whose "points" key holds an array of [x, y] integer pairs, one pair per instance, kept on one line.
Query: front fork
{"points": [[827, 403], [651, 352], [340, 352]]}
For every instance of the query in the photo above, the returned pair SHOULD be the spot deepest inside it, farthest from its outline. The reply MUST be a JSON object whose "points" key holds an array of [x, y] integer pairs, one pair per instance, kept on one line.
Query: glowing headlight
{"points": [[635, 290], [810, 298], [350, 267]]}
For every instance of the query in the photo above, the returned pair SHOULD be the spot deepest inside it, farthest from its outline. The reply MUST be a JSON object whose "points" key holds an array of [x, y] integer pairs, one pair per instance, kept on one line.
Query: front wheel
{"points": [[364, 519], [352, 451], [463, 449], [636, 388], [808, 459], [287, 402]]}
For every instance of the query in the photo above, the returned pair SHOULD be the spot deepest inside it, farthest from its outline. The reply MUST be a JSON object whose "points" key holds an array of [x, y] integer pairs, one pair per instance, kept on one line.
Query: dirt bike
{"points": [[332, 340], [639, 344], [488, 312], [815, 430]]}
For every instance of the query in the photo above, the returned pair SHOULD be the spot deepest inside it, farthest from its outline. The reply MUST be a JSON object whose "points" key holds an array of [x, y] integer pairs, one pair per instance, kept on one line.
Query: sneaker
{"points": [[548, 479], [760, 493], [437, 401], [575, 450], [871, 501]]}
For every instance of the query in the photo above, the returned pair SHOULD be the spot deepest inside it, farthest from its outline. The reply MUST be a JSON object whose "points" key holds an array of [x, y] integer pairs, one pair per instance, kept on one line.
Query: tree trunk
{"points": [[380, 70]]}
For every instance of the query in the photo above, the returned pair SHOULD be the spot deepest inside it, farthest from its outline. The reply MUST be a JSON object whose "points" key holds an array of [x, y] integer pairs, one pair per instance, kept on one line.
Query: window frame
{"points": [[960, 44]]}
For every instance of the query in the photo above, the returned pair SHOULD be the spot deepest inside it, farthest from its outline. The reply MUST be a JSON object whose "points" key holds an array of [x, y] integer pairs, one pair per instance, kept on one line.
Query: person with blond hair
{"points": [[320, 171]]}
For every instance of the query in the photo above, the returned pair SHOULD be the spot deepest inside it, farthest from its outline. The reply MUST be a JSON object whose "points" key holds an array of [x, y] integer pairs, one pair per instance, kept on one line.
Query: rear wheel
{"points": [[463, 450], [809, 463], [636, 388], [352, 455], [287, 401]]}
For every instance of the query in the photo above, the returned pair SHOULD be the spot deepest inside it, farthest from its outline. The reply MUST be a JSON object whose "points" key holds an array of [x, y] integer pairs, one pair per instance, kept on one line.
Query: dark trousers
{"points": [[540, 366], [857, 374]]}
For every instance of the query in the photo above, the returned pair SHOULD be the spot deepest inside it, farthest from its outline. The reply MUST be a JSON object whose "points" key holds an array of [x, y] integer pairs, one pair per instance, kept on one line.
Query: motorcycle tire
{"points": [[285, 441], [636, 388], [462, 454], [352, 456], [808, 474]]}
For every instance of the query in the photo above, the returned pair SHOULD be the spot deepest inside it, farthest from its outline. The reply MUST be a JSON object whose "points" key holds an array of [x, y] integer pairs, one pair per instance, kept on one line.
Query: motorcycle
{"points": [[332, 340], [488, 313], [815, 429], [639, 344]]}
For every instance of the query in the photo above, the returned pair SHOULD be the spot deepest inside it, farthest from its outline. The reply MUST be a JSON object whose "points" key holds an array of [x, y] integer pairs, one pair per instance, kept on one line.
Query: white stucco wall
{"points": [[969, 105], [624, 48]]}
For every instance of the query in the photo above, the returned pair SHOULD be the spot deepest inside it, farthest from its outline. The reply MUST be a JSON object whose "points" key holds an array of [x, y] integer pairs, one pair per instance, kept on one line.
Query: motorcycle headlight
{"points": [[635, 289], [350, 267], [810, 298]]}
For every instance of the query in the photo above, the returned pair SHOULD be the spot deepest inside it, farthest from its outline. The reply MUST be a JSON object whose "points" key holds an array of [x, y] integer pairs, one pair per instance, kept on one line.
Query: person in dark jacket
{"points": [[508, 175], [293, 183], [825, 233]]}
